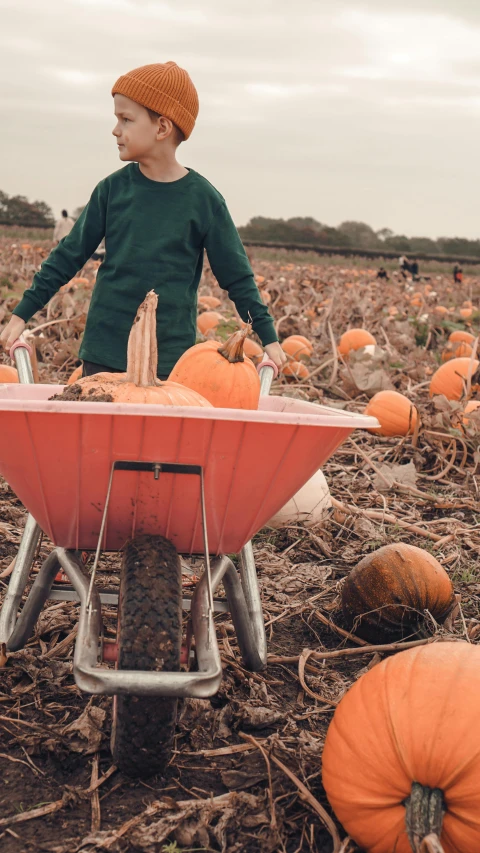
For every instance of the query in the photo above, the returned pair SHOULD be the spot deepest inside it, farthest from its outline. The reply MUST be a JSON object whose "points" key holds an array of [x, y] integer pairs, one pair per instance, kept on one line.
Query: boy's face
{"points": [[135, 132]]}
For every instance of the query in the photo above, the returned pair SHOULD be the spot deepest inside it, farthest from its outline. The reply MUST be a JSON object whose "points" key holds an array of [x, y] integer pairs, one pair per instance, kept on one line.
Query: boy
{"points": [[157, 217]]}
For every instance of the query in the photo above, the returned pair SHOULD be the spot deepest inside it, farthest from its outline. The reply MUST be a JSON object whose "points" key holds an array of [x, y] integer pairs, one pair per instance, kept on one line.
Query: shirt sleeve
{"points": [[231, 267], [68, 257]]}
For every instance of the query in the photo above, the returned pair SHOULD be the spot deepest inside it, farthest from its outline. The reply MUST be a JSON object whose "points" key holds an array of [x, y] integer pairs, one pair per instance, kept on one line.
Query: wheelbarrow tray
{"points": [[57, 457]]}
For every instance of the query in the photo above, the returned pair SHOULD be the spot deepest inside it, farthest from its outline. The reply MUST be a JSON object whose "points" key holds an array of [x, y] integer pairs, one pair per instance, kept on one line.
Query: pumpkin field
{"points": [[362, 732]]}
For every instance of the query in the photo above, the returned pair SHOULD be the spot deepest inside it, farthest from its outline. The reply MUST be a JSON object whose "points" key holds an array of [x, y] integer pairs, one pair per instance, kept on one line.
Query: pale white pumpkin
{"points": [[308, 505]]}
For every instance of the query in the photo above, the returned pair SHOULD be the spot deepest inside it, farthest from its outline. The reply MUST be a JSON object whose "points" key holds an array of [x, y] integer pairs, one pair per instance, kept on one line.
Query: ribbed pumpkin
{"points": [[8, 374], [354, 339], [459, 335], [208, 320], [209, 302], [295, 370], [450, 378], [297, 347], [140, 384], [395, 413], [457, 349], [404, 740], [385, 596], [220, 372], [75, 376]]}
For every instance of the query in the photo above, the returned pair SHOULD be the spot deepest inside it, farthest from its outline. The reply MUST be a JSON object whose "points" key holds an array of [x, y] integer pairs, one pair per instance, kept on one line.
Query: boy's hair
{"points": [[64, 213], [178, 135]]}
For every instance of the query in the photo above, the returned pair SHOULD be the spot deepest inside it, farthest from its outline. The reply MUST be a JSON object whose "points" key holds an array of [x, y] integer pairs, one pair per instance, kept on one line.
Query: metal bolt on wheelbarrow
{"points": [[152, 482]]}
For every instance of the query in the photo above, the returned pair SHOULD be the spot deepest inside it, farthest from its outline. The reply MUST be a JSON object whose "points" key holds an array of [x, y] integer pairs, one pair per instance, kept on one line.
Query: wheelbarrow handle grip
{"points": [[19, 343], [267, 362], [21, 353]]}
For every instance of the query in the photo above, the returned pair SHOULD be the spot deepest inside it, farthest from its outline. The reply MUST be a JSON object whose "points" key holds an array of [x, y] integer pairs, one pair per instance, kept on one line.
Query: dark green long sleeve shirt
{"points": [[155, 236]]}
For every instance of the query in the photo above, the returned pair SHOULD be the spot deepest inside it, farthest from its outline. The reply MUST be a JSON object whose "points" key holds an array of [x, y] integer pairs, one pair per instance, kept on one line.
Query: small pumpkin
{"points": [[139, 384], [450, 378], [208, 320], [395, 413], [295, 370], [354, 339], [209, 302], [385, 596], [75, 376], [457, 349], [220, 372], [402, 751], [440, 310], [466, 313], [460, 336], [471, 407], [296, 348], [252, 349], [8, 374]]}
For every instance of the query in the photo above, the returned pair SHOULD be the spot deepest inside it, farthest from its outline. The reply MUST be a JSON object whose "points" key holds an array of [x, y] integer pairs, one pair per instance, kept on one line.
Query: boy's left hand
{"points": [[276, 353]]}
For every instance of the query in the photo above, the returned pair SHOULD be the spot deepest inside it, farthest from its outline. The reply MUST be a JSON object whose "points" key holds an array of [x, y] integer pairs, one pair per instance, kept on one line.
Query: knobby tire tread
{"points": [[149, 638]]}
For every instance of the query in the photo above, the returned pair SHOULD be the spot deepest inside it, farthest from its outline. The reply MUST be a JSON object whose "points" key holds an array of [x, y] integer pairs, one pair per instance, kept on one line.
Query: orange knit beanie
{"points": [[164, 88]]}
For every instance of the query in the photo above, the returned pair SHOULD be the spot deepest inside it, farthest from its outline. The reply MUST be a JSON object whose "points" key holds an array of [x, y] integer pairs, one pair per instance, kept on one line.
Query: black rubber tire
{"points": [[149, 637]]}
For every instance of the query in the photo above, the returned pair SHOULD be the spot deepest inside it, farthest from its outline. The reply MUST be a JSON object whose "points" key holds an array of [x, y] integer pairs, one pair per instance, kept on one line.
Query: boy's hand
{"points": [[12, 332], [276, 353]]}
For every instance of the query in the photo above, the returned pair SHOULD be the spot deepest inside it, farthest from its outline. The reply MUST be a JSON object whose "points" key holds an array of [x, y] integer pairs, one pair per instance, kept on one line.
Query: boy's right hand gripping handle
{"points": [[268, 371], [20, 353]]}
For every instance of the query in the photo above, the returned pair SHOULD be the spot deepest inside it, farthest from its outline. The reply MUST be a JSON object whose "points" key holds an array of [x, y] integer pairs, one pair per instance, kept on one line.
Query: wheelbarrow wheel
{"points": [[149, 637]]}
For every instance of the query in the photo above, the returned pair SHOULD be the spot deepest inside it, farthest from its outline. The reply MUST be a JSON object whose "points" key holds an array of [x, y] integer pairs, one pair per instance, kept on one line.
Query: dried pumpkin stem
{"points": [[232, 349], [142, 351], [424, 818]]}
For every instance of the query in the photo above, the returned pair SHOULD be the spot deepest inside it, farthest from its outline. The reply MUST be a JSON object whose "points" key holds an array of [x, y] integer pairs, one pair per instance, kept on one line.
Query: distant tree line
{"points": [[353, 235], [18, 210]]}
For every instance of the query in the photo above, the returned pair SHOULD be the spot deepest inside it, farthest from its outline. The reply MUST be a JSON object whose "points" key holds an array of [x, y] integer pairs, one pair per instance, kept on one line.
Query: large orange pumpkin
{"points": [[395, 413], [404, 740], [386, 595], [220, 372], [139, 384], [450, 379], [459, 335], [208, 320], [297, 348], [355, 339], [8, 374]]}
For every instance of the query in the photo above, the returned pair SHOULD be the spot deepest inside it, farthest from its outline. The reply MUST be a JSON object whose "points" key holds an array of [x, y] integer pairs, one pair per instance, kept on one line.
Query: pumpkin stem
{"points": [[232, 349], [142, 352], [424, 818]]}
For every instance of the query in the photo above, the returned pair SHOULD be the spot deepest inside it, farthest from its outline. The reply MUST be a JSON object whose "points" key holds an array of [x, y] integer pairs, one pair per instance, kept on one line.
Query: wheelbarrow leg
{"points": [[248, 574], [19, 578], [253, 655], [32, 608], [31, 532]]}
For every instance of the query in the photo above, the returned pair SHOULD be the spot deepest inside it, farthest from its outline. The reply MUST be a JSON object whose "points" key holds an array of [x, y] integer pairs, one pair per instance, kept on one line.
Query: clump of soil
{"points": [[76, 393]]}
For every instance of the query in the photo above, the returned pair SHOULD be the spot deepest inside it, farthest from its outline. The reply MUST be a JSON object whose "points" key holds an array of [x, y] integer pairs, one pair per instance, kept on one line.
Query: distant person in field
{"points": [[404, 266], [457, 274], [382, 273], [158, 218], [414, 269], [63, 227]]}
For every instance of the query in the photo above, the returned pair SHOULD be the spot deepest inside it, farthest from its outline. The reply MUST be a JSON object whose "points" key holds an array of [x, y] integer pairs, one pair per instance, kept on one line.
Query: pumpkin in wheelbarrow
{"points": [[221, 372], [139, 384]]}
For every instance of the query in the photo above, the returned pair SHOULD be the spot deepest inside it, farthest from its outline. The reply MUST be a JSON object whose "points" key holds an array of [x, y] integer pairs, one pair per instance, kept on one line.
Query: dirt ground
{"points": [[246, 770]]}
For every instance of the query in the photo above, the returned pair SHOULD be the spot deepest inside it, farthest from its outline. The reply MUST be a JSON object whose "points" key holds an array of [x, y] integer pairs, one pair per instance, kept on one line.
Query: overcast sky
{"points": [[337, 110]]}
